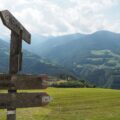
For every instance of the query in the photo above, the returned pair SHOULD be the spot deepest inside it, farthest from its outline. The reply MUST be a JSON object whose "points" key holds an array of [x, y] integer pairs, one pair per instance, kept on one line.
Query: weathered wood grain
{"points": [[13, 24], [23, 100], [23, 82], [15, 45]]}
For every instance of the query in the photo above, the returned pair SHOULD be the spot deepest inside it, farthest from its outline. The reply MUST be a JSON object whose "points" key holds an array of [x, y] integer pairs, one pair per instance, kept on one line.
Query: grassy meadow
{"points": [[75, 104]]}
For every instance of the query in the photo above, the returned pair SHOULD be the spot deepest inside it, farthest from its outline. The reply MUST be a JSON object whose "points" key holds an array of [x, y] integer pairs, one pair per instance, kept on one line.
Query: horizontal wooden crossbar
{"points": [[23, 81], [23, 100]]}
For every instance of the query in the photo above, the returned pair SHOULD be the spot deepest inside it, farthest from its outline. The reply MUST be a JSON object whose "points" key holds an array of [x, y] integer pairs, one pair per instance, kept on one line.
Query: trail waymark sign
{"points": [[23, 82], [21, 100], [10, 21], [15, 81]]}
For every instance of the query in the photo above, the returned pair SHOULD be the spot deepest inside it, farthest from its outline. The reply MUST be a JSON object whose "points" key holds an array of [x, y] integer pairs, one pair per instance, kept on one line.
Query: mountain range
{"points": [[89, 56], [32, 63]]}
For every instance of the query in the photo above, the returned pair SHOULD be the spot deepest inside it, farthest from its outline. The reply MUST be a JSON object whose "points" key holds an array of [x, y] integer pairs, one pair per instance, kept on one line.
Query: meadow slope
{"points": [[75, 104]]}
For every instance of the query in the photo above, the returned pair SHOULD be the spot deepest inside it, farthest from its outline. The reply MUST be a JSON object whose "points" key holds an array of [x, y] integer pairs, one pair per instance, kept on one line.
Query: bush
{"points": [[71, 84]]}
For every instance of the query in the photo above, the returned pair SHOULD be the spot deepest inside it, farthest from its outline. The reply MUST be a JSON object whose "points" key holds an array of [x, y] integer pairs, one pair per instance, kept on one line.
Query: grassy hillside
{"points": [[75, 104]]}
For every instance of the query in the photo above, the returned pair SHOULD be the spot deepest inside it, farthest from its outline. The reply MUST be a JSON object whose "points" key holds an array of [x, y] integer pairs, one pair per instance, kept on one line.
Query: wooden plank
{"points": [[13, 24], [23, 100], [5, 76], [15, 47], [20, 56], [20, 51], [23, 82], [14, 53]]}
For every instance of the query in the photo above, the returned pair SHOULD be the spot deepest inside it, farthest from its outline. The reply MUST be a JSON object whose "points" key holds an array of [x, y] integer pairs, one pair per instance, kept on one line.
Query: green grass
{"points": [[101, 52], [75, 104]]}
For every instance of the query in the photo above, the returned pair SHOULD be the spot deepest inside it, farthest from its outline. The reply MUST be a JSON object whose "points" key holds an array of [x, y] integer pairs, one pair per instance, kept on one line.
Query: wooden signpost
{"points": [[23, 82], [14, 25], [15, 81], [23, 100]]}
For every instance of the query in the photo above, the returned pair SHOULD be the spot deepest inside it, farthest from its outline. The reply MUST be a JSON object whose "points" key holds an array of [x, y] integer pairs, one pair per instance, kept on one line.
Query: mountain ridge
{"points": [[92, 57], [32, 63], [88, 56]]}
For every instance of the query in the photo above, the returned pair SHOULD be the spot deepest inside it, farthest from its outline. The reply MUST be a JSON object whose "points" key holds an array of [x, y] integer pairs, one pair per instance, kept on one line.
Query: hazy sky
{"points": [[57, 17]]}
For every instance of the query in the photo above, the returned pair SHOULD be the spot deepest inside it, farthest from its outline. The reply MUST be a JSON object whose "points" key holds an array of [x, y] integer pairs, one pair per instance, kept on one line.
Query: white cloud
{"points": [[56, 17]]}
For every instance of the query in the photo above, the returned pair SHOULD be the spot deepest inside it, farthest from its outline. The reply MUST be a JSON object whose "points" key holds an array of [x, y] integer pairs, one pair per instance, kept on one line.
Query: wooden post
{"points": [[15, 52], [11, 112], [14, 67]]}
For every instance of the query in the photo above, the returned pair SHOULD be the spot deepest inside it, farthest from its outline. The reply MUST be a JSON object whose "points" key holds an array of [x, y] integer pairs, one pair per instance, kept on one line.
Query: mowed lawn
{"points": [[75, 104]]}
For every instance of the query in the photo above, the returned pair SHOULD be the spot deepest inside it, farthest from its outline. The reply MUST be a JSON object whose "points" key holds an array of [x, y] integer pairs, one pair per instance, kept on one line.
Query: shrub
{"points": [[71, 84]]}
